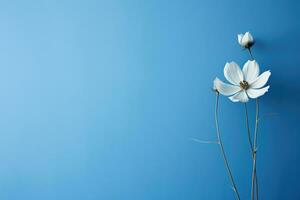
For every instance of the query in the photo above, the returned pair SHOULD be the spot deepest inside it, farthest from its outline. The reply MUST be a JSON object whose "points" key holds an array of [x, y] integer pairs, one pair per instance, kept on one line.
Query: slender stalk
{"points": [[250, 52], [251, 147], [222, 148], [248, 129], [255, 148], [256, 184]]}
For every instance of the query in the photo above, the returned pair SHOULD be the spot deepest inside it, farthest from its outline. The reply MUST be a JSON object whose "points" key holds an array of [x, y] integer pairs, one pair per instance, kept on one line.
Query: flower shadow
{"points": [[282, 133]]}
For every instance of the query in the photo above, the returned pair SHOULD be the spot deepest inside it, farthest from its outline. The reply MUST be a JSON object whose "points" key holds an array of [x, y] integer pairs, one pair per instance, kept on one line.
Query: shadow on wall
{"points": [[282, 53], [283, 98]]}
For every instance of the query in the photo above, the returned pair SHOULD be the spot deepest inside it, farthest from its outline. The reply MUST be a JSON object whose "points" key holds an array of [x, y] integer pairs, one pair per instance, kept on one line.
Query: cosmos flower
{"points": [[246, 40], [245, 84]]}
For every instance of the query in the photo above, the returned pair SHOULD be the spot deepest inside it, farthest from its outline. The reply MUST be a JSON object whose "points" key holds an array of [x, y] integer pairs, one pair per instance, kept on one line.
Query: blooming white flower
{"points": [[245, 83], [245, 40]]}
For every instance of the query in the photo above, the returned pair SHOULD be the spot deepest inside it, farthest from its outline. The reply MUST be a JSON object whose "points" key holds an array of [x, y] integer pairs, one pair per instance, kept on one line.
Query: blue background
{"points": [[100, 99]]}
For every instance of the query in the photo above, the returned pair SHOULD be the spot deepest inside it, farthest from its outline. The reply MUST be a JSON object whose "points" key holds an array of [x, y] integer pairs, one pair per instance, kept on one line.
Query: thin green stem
{"points": [[222, 149], [256, 184], [251, 147], [255, 148], [250, 52], [248, 129]]}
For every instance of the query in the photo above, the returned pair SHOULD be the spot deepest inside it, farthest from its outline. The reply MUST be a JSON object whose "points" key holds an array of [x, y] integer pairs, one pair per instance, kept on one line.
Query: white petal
{"points": [[233, 73], [254, 93], [250, 38], [240, 37], [233, 99], [247, 38], [214, 83], [225, 88], [244, 41], [251, 71], [261, 80], [240, 96]]}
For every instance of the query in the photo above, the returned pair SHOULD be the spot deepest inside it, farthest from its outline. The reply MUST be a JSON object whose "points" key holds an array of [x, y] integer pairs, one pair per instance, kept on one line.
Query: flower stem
{"points": [[248, 128], [253, 147], [250, 52], [222, 149], [255, 151]]}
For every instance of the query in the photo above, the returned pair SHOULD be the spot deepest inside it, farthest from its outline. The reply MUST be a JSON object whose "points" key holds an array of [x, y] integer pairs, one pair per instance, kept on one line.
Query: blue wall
{"points": [[99, 99]]}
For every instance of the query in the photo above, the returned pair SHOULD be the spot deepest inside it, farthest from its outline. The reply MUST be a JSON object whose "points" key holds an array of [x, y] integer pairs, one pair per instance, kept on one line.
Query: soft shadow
{"points": [[281, 52]]}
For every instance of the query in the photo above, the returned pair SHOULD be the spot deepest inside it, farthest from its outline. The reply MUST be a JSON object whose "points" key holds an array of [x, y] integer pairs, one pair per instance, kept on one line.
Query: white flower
{"points": [[245, 40], [244, 84]]}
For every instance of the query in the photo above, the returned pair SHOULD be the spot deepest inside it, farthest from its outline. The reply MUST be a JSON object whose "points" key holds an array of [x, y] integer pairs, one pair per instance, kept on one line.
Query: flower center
{"points": [[244, 85]]}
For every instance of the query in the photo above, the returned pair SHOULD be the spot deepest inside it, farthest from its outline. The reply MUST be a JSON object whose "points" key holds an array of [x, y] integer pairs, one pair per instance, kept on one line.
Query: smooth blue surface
{"points": [[99, 99]]}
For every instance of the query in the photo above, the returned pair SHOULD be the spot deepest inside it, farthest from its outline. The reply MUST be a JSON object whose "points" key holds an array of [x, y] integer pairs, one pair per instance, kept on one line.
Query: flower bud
{"points": [[246, 40]]}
